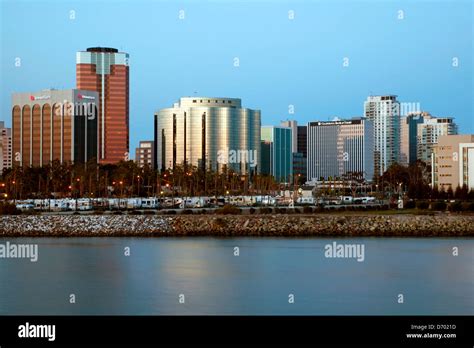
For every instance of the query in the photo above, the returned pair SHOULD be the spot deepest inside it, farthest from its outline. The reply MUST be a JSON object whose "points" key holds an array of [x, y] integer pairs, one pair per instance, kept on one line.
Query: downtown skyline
{"points": [[298, 51]]}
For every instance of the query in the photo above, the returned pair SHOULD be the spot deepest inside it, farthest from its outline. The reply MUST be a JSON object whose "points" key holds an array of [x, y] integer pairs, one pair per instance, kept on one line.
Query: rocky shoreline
{"points": [[317, 225]]}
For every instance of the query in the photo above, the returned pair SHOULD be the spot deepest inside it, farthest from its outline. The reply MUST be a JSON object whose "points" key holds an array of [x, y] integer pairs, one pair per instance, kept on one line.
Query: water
{"points": [[259, 281]]}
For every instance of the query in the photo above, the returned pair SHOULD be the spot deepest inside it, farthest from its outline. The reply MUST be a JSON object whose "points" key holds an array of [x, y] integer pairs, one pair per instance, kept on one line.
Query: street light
{"points": [[14, 190], [138, 180], [121, 193]]}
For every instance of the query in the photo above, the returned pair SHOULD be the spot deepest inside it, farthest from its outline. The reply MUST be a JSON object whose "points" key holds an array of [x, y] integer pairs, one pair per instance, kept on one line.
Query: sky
{"points": [[322, 59]]}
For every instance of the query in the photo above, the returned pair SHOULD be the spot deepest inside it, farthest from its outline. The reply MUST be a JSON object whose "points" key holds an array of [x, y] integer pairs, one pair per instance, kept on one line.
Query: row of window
{"points": [[216, 101]]}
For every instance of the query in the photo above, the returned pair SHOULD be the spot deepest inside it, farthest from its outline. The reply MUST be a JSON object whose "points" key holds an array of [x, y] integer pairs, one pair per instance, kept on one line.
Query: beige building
{"points": [[5, 147], [453, 162], [145, 154], [54, 125]]}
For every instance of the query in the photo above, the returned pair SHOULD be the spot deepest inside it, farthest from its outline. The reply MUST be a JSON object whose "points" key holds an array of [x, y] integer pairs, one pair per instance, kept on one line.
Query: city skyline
{"points": [[274, 53]]}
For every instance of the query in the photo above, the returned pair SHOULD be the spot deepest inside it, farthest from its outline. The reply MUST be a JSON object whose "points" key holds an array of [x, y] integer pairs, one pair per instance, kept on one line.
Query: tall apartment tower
{"points": [[384, 111], [428, 133], [106, 71], [408, 135]]}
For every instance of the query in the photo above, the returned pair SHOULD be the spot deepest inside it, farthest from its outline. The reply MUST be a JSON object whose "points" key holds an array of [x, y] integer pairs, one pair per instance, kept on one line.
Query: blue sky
{"points": [[282, 62]]}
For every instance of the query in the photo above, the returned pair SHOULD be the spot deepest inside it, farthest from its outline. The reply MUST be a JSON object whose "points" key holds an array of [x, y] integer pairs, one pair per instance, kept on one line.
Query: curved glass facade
{"points": [[208, 132]]}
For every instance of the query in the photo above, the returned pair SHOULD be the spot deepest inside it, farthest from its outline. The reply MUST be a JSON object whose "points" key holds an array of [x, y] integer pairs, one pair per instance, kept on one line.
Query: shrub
{"points": [[228, 210], [438, 206], [9, 209], [455, 207], [422, 205], [468, 206]]}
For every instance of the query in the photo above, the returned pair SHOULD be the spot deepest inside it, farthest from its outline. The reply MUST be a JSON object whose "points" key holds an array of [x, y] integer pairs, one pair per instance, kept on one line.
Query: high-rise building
{"points": [[293, 125], [336, 148], [208, 132], [409, 137], [54, 125], [106, 71], [428, 133], [419, 133], [384, 111], [145, 154], [277, 157], [302, 140], [298, 148], [5, 147], [453, 162]]}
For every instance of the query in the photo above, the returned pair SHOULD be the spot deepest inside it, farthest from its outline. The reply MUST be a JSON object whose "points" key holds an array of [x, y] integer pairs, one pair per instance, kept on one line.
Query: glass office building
{"points": [[277, 153], [208, 132], [336, 148]]}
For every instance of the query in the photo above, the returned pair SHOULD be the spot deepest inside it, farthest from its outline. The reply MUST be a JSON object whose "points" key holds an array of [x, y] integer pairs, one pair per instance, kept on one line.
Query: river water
{"points": [[177, 276]]}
